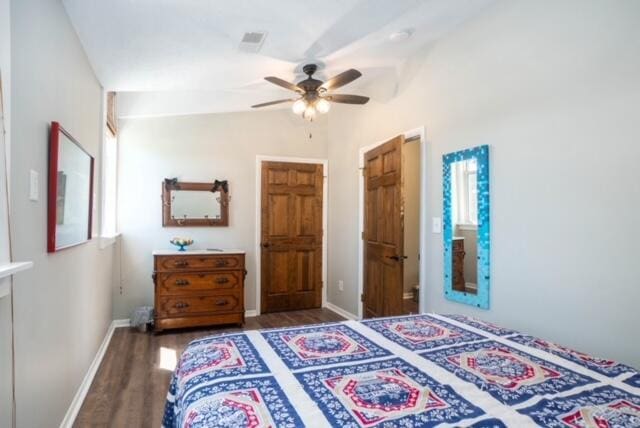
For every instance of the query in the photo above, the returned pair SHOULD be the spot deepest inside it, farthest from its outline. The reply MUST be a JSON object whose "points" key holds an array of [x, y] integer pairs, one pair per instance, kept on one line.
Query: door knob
{"points": [[397, 258]]}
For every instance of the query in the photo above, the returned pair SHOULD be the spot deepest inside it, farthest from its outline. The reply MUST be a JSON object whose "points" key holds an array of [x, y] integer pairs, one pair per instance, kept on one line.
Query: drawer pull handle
{"points": [[182, 282], [222, 302], [182, 263], [221, 263], [222, 280], [181, 305]]}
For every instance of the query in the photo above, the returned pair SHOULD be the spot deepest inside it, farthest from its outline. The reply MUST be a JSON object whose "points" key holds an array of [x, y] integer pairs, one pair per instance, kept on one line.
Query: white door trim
{"points": [[325, 201], [416, 132]]}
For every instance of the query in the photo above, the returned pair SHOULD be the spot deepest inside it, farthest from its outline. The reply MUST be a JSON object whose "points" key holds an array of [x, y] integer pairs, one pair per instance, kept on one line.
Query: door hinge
{"points": [[364, 170], [362, 297], [362, 235]]}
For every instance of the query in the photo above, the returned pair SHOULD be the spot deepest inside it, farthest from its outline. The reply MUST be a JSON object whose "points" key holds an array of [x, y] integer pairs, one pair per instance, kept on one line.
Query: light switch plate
{"points": [[34, 193], [436, 225], [341, 285]]}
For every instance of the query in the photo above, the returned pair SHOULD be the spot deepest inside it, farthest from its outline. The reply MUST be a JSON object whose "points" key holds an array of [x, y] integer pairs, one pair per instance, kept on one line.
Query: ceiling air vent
{"points": [[252, 42]]}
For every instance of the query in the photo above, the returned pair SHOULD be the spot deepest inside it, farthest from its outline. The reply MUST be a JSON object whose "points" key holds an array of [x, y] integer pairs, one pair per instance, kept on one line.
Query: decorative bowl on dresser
{"points": [[198, 288]]}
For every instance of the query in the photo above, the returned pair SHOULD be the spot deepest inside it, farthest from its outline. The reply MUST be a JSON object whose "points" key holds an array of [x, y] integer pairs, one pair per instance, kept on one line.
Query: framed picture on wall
{"points": [[70, 191]]}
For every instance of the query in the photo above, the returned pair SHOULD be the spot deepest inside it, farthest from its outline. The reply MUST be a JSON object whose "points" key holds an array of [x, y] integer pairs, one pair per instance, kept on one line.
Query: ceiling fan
{"points": [[314, 96]]}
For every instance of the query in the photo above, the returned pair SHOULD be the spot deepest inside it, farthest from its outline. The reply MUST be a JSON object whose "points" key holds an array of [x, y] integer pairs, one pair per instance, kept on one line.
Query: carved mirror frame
{"points": [[481, 155], [170, 184]]}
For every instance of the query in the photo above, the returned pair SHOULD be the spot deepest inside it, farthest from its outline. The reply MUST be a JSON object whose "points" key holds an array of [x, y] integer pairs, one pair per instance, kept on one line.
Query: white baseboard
{"points": [[81, 393], [338, 310], [251, 313], [121, 323]]}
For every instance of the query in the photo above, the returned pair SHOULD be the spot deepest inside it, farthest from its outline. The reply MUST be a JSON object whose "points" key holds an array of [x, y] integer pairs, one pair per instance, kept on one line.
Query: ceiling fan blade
{"points": [[347, 99], [341, 79], [284, 84], [270, 103]]}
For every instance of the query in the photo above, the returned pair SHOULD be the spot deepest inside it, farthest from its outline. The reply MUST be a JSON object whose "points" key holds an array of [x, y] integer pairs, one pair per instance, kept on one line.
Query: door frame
{"points": [[258, 235], [408, 135]]}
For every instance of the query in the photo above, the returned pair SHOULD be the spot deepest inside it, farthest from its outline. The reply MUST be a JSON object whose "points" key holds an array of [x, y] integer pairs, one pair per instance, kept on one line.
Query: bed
{"points": [[410, 371]]}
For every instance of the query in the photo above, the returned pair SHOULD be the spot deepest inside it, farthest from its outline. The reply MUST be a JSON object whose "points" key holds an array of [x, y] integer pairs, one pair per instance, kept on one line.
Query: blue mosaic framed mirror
{"points": [[466, 226]]}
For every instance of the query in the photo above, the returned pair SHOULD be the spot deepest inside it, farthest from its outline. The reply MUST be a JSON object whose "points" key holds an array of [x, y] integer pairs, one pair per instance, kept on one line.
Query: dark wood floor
{"points": [[130, 388], [410, 307]]}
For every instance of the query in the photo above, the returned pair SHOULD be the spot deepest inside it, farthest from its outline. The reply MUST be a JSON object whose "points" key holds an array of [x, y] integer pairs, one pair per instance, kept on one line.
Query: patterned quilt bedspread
{"points": [[413, 371]]}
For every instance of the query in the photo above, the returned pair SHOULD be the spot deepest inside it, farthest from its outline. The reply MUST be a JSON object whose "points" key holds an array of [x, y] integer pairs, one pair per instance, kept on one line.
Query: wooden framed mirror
{"points": [[195, 204], [70, 191]]}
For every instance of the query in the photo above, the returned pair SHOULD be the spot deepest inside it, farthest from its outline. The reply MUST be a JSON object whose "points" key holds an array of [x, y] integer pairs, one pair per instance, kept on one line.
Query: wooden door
{"points": [[383, 230], [291, 256]]}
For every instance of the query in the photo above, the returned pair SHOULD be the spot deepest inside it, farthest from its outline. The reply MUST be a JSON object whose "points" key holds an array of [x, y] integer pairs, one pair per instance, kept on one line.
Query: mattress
{"points": [[411, 371]]}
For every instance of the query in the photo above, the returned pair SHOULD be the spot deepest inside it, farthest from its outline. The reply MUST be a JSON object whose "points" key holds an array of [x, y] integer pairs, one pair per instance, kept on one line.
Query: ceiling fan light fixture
{"points": [[323, 106], [309, 112], [315, 96], [299, 106]]}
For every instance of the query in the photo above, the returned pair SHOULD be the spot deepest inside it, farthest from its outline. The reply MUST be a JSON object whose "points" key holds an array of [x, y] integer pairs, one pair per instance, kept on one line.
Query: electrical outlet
{"points": [[341, 285]]}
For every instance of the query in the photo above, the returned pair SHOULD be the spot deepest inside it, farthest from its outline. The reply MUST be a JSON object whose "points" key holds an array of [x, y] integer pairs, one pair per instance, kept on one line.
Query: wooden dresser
{"points": [[198, 288]]}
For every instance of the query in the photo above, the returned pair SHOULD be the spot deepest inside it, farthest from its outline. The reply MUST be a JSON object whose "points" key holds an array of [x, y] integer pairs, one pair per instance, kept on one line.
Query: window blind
{"points": [[112, 119]]}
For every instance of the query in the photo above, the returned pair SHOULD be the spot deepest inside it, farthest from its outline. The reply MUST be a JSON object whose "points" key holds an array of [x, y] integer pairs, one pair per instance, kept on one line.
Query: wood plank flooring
{"points": [[410, 307], [130, 388]]}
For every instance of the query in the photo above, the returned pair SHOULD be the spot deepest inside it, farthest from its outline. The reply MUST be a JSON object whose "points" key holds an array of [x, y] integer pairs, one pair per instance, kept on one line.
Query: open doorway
{"points": [[392, 196], [411, 198]]}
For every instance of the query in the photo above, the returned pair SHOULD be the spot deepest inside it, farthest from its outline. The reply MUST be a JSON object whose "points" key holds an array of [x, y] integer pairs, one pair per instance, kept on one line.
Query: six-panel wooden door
{"points": [[383, 230], [291, 236]]}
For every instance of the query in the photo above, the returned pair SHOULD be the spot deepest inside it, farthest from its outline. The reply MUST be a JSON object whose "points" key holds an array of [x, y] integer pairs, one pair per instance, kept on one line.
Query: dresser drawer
{"points": [[197, 305], [199, 262], [179, 283]]}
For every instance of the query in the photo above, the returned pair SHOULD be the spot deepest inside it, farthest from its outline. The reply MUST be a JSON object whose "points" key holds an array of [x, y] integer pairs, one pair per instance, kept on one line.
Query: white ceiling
{"points": [[182, 57]]}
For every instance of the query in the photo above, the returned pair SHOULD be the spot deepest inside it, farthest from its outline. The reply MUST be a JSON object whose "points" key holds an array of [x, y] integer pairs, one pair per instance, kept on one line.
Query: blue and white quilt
{"points": [[411, 371]]}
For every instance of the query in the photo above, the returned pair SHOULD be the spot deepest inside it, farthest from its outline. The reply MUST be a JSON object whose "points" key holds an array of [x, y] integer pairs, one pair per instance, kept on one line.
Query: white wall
{"points": [[197, 148], [5, 67], [5, 361], [5, 303], [553, 88], [5, 121], [62, 305]]}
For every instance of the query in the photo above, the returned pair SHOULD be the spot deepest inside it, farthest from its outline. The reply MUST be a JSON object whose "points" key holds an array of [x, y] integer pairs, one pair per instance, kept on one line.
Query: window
{"points": [[464, 185], [110, 170], [471, 181]]}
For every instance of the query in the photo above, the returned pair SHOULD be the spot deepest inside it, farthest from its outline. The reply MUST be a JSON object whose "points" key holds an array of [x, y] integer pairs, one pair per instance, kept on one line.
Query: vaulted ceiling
{"points": [[183, 56]]}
